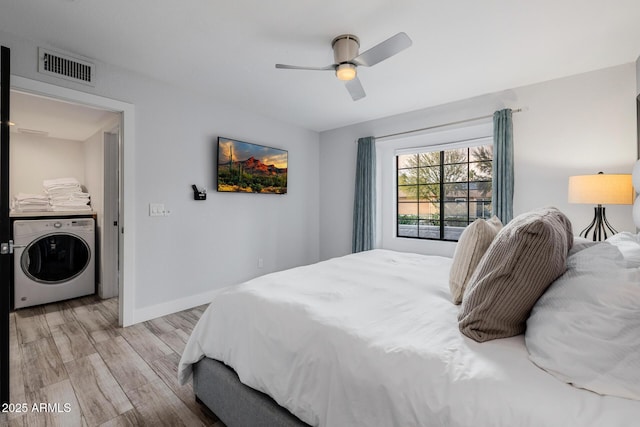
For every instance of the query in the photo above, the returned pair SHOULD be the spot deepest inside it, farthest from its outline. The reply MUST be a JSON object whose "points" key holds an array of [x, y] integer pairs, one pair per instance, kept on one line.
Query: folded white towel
{"points": [[70, 203], [83, 208], [27, 196], [62, 189], [27, 204], [76, 195], [31, 202], [31, 208], [65, 194], [60, 182]]}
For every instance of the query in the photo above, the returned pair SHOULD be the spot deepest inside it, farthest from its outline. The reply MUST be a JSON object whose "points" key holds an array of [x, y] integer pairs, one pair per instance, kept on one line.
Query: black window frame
{"points": [[442, 202]]}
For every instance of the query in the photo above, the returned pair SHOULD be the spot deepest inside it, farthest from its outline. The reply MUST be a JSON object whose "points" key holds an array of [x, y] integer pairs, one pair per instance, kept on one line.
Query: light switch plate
{"points": [[156, 209]]}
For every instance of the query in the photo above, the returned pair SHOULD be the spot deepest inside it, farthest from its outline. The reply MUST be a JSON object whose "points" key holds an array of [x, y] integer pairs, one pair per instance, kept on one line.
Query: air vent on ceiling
{"points": [[66, 67], [33, 132]]}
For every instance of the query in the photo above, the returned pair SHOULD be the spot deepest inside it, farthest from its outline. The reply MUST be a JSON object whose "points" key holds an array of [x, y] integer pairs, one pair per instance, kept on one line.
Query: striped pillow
{"points": [[473, 243], [527, 255]]}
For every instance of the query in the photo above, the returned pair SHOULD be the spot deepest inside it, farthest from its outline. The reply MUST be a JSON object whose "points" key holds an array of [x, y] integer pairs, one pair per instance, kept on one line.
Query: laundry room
{"points": [[64, 191]]}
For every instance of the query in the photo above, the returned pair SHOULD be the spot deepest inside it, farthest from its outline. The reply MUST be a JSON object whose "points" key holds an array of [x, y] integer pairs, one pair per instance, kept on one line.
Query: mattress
{"points": [[372, 339]]}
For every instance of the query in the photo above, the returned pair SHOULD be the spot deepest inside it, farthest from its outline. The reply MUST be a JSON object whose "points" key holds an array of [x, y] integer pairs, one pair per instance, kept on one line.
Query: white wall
{"points": [[638, 119], [34, 158], [638, 75], [182, 259], [586, 124], [94, 183], [93, 149], [576, 125]]}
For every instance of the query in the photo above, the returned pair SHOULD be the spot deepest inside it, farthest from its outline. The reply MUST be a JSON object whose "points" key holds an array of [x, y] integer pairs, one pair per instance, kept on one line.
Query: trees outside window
{"points": [[439, 193]]}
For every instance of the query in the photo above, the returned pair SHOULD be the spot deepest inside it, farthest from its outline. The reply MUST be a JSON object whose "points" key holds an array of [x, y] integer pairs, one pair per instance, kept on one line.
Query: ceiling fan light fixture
{"points": [[346, 59], [346, 72]]}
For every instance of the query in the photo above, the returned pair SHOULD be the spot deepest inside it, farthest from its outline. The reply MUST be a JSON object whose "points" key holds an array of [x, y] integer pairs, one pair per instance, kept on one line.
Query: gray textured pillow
{"points": [[527, 255], [473, 243]]}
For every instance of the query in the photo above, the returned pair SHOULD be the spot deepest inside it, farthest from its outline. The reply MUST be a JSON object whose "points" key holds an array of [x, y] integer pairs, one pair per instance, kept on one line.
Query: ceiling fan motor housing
{"points": [[345, 48]]}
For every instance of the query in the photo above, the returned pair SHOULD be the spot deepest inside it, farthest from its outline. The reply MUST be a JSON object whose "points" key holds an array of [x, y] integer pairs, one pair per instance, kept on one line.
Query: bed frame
{"points": [[218, 387]]}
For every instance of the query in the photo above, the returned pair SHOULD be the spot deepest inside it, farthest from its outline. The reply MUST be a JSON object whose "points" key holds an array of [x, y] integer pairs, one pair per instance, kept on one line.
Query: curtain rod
{"points": [[440, 126]]}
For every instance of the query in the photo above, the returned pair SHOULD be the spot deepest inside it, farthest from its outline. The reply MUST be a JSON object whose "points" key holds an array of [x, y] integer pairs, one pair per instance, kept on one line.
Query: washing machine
{"points": [[54, 260]]}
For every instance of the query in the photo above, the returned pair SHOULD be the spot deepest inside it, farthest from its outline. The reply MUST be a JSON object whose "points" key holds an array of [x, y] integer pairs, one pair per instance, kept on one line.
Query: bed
{"points": [[373, 339]]}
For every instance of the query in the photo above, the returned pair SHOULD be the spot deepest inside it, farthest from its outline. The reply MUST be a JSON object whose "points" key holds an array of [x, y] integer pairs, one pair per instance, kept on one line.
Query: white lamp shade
{"points": [[636, 212], [601, 189], [636, 176]]}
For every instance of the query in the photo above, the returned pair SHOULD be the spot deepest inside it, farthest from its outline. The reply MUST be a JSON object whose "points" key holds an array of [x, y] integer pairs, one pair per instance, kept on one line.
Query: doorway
{"points": [[53, 140], [120, 133]]}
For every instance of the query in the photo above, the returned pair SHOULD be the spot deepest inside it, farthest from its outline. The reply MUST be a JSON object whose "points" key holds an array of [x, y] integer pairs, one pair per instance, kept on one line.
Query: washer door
{"points": [[55, 258]]}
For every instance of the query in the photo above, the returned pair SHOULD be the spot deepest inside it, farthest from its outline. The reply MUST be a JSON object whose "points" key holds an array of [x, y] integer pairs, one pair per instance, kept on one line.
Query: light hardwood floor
{"points": [[73, 354]]}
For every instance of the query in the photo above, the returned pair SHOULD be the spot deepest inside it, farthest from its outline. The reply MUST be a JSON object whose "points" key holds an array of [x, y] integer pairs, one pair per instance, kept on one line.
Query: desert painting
{"points": [[251, 168]]}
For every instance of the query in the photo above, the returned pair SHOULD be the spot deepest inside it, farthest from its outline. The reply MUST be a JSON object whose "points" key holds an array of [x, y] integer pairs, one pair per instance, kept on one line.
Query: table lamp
{"points": [[635, 177], [600, 189]]}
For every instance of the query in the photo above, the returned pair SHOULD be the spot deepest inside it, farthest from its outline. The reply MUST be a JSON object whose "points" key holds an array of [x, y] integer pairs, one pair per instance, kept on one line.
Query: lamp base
{"points": [[599, 225]]}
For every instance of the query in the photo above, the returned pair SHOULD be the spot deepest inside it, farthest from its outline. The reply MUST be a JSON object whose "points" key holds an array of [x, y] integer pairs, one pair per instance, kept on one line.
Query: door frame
{"points": [[110, 213], [126, 249], [5, 259]]}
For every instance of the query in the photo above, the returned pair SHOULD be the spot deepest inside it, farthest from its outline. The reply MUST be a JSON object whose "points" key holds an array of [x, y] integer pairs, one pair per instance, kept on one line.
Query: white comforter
{"points": [[371, 339]]}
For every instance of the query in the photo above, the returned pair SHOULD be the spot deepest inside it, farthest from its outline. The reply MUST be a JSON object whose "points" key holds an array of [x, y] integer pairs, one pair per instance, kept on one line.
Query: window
{"points": [[439, 193]]}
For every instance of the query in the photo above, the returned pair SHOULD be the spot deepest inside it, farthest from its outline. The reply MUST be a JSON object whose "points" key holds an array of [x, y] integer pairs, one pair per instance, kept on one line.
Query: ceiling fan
{"points": [[347, 59]]}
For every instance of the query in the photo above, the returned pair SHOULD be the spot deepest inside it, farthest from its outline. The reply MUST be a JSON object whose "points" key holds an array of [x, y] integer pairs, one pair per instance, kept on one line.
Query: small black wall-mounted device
{"points": [[199, 194]]}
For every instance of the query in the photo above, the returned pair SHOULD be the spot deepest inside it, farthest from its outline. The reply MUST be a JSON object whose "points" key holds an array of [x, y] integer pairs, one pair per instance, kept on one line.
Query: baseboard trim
{"points": [[159, 310]]}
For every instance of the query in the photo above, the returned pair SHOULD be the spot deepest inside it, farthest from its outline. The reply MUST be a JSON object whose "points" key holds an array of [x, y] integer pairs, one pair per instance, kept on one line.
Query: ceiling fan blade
{"points": [[296, 67], [383, 50], [355, 89]]}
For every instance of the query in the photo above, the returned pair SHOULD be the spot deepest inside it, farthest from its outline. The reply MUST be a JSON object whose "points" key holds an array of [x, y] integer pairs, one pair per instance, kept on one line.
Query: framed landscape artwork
{"points": [[251, 168]]}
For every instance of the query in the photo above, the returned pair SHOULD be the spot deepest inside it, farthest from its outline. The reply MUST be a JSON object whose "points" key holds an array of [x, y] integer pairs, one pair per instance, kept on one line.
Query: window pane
{"points": [[459, 155], [453, 231], [479, 209], [407, 230], [407, 161], [456, 173], [455, 212], [429, 192], [407, 193], [429, 175], [408, 209], [408, 219], [430, 230], [483, 152], [456, 192], [480, 171], [431, 158], [429, 211], [480, 190], [407, 176]]}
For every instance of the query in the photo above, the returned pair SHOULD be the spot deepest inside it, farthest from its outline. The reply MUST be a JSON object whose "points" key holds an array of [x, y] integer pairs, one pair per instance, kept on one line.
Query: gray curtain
{"points": [[364, 202], [503, 165]]}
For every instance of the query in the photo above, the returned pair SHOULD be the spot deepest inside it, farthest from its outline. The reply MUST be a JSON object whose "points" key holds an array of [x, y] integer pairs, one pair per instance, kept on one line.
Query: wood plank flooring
{"points": [[73, 356]]}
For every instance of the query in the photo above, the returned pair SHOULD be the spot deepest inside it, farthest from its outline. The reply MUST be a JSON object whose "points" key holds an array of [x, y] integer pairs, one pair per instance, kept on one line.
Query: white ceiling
{"points": [[46, 117], [461, 48]]}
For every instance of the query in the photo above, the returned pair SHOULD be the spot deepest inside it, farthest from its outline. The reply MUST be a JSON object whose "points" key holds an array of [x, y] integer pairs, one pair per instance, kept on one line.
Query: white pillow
{"points": [[580, 243], [585, 329], [472, 245], [629, 245]]}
